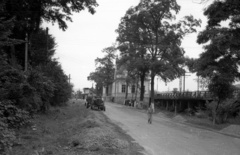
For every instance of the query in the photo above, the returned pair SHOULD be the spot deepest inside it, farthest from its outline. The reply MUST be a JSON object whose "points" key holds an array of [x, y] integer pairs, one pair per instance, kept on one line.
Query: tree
{"points": [[104, 72], [220, 60], [133, 59], [42, 48], [160, 36], [29, 15]]}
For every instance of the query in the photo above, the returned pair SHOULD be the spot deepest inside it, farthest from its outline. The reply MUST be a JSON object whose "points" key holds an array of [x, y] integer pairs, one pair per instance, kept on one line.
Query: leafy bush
{"points": [[7, 138], [11, 118], [63, 90], [43, 89], [225, 109]]}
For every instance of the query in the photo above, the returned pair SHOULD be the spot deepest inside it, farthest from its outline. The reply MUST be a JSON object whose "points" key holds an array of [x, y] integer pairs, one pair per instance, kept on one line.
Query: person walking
{"points": [[150, 112]]}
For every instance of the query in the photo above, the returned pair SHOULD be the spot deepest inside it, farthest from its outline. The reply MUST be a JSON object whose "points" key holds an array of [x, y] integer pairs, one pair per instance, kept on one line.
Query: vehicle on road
{"points": [[98, 103], [88, 101]]}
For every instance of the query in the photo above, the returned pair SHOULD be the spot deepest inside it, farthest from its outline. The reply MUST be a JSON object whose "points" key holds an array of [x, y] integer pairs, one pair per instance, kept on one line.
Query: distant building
{"points": [[118, 90], [88, 92]]}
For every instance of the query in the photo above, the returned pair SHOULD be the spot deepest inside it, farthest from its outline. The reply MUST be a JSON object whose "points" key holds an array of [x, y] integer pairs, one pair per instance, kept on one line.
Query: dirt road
{"points": [[165, 137]]}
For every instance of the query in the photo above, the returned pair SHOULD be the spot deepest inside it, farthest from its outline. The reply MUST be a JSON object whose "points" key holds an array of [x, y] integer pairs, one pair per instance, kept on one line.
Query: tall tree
{"points": [[220, 60], [160, 36], [134, 61], [42, 48], [29, 15], [104, 72]]}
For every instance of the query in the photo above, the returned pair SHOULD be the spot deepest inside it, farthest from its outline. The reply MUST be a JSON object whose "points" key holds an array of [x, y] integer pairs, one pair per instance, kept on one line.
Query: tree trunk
{"points": [[152, 87], [132, 93], [136, 91], [142, 91], [126, 94], [215, 113]]}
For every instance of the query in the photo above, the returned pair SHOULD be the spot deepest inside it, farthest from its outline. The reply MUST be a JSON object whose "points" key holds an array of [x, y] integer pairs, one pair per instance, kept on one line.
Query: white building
{"points": [[118, 91]]}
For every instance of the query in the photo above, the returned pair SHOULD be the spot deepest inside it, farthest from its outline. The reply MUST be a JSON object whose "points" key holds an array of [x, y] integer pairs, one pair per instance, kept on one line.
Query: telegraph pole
{"points": [[198, 83], [26, 52], [184, 77], [180, 83], [69, 78]]}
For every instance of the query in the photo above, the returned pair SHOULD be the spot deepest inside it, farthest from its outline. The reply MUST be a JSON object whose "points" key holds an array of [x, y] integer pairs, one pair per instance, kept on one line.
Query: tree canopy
{"points": [[151, 25], [30, 14], [44, 84], [103, 75], [220, 59]]}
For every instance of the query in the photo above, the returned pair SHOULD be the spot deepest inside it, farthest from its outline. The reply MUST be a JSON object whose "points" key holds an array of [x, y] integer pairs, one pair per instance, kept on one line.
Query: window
{"points": [[133, 88], [123, 88]]}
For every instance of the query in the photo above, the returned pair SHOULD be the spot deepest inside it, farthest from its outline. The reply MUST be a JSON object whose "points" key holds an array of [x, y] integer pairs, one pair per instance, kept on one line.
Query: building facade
{"points": [[119, 90]]}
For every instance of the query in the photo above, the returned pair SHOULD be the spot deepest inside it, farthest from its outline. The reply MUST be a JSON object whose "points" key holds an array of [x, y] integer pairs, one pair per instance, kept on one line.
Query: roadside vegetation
{"points": [[73, 129], [31, 80]]}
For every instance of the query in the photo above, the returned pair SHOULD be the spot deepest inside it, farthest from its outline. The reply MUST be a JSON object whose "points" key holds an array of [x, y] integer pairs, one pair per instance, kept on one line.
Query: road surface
{"points": [[165, 137]]}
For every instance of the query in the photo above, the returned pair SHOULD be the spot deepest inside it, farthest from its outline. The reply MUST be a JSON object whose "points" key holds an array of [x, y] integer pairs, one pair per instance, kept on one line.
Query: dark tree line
{"points": [[44, 83]]}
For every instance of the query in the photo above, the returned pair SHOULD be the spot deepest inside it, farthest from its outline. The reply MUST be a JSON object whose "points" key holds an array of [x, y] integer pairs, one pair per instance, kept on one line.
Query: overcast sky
{"points": [[88, 35]]}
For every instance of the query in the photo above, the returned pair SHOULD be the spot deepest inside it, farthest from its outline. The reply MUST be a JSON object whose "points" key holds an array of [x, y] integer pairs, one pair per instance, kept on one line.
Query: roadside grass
{"points": [[199, 121], [74, 130]]}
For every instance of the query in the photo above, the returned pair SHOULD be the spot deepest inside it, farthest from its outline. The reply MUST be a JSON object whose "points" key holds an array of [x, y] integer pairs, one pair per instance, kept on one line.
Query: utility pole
{"points": [[69, 78], [26, 52], [184, 77], [198, 83], [180, 83]]}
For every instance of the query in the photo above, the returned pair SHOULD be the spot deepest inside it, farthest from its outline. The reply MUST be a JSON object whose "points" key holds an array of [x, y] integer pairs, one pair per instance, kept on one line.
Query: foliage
{"points": [[30, 14], [7, 138], [11, 117], [159, 35], [104, 72], [220, 60], [44, 84], [42, 48], [62, 89], [6, 26], [228, 108], [26, 17], [43, 89], [133, 59]]}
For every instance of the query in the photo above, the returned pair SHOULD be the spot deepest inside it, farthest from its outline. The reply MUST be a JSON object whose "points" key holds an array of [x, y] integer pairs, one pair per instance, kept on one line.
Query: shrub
{"points": [[12, 115], [43, 89], [227, 108], [11, 118], [7, 138]]}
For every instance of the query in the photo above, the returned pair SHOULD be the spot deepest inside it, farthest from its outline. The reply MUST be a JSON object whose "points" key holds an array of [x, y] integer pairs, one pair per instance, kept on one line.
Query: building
{"points": [[119, 90], [88, 92]]}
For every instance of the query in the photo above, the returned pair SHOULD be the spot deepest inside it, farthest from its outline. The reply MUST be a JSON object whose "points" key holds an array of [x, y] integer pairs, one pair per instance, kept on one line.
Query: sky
{"points": [[86, 37]]}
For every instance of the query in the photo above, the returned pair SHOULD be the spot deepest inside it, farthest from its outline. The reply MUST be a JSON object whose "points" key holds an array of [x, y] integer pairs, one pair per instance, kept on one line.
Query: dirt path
{"points": [[165, 137], [74, 130]]}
